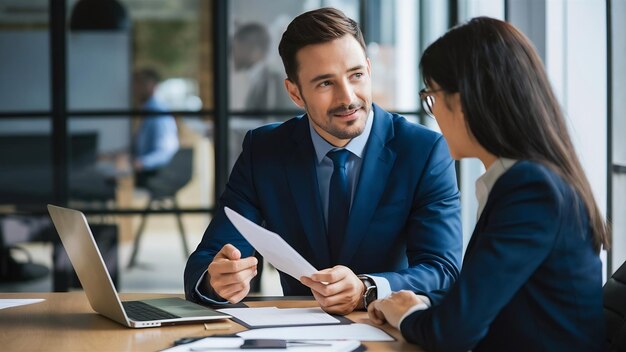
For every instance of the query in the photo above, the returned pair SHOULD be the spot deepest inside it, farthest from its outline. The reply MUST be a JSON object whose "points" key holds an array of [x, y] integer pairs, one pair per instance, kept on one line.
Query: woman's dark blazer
{"points": [[531, 280]]}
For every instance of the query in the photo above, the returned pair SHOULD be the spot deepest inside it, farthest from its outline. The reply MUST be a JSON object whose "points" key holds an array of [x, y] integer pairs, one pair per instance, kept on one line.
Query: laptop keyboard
{"points": [[139, 311]]}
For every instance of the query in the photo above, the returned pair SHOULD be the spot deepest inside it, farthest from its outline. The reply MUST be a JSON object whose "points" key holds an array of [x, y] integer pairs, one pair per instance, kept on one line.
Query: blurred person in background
{"points": [[264, 85], [156, 140]]}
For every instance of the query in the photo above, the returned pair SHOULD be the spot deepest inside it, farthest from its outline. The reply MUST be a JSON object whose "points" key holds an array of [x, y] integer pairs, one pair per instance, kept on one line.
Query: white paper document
{"points": [[209, 344], [229, 344], [272, 316], [361, 332], [271, 246], [8, 303]]}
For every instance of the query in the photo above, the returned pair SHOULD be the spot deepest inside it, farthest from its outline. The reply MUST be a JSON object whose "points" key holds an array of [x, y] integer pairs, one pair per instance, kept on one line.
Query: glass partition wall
{"points": [[74, 96]]}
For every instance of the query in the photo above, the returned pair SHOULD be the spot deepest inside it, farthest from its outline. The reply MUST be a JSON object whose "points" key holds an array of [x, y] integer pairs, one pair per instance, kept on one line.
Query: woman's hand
{"points": [[392, 308]]}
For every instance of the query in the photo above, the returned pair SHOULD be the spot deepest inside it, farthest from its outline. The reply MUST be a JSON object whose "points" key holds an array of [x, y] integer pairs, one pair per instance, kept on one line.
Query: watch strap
{"points": [[370, 289]]}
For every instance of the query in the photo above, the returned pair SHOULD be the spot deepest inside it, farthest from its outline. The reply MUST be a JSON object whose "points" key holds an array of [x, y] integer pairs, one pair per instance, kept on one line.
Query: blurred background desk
{"points": [[66, 322], [27, 185]]}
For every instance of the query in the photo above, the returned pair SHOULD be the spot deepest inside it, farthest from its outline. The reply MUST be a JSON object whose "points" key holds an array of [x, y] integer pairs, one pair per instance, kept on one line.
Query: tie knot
{"points": [[339, 157]]}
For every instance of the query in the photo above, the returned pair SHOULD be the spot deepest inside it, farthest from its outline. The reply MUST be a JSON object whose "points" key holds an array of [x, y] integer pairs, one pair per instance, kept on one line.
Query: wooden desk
{"points": [[66, 322]]}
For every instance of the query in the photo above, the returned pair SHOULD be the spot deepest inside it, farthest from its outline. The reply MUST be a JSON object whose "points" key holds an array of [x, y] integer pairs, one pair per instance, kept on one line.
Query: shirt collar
{"points": [[485, 183], [356, 145]]}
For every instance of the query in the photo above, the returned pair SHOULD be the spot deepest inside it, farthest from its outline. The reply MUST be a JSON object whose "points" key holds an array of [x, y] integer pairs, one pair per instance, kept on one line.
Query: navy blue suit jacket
{"points": [[404, 223], [531, 280]]}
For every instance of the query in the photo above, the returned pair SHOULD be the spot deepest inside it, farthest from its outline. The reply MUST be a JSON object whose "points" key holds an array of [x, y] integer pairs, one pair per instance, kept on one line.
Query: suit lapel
{"points": [[480, 225], [377, 164], [302, 178]]}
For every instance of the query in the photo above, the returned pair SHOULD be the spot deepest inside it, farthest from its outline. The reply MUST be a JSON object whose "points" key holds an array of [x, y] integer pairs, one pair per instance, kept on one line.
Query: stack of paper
{"points": [[272, 316], [228, 344], [362, 332]]}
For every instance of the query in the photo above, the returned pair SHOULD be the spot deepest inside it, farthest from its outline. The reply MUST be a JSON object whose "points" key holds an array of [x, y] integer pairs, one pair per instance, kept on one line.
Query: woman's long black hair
{"points": [[508, 103]]}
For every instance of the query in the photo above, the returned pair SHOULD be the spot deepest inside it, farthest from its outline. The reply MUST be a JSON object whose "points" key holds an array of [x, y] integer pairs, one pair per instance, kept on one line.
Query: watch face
{"points": [[370, 295]]}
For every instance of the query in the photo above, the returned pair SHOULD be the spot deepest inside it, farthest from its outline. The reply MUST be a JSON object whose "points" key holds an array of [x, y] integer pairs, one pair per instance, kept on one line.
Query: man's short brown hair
{"points": [[314, 27]]}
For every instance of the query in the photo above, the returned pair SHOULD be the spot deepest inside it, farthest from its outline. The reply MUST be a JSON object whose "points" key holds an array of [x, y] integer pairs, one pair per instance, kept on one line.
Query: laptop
{"points": [[85, 257]]}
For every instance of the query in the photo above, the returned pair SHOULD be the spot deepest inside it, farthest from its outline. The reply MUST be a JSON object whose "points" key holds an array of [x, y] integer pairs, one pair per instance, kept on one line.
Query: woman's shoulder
{"points": [[532, 172], [527, 177]]}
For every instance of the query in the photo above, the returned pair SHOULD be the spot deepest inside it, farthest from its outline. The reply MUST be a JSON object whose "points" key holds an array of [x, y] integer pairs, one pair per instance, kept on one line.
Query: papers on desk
{"points": [[272, 316], [271, 246], [8, 303], [362, 332], [232, 343]]}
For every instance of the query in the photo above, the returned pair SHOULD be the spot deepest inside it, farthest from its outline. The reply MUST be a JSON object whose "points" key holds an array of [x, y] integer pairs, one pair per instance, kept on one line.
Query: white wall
{"points": [[406, 54], [618, 248], [473, 8], [576, 60]]}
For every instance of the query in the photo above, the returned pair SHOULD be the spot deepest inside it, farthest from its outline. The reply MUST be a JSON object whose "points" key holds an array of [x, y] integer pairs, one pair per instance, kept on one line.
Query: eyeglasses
{"points": [[428, 101]]}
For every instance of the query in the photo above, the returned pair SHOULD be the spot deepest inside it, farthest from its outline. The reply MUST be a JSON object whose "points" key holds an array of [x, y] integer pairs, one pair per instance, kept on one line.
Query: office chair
{"points": [[162, 188], [615, 310]]}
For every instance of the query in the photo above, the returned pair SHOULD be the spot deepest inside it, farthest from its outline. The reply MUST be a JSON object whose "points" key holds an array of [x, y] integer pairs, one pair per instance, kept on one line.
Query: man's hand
{"points": [[392, 308], [338, 290], [230, 275]]}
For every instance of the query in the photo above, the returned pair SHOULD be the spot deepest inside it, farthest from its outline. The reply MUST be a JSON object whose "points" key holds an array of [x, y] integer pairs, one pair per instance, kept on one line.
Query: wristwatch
{"points": [[371, 293]]}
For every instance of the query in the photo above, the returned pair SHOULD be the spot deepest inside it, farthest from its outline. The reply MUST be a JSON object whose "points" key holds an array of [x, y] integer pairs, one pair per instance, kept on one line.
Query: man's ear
{"points": [[294, 92]]}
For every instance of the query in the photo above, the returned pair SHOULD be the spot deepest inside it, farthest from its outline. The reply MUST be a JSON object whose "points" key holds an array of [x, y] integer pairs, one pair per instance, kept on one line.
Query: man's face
{"points": [[334, 88]]}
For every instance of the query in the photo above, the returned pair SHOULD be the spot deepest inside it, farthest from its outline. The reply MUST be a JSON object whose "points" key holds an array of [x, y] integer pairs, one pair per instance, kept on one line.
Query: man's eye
{"points": [[325, 84]]}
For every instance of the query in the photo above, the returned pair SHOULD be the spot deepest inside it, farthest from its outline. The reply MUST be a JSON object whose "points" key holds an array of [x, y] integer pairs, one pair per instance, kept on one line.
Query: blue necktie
{"points": [[338, 202]]}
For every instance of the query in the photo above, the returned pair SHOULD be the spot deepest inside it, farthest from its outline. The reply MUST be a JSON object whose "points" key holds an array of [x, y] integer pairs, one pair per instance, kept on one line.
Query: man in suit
{"points": [[360, 193]]}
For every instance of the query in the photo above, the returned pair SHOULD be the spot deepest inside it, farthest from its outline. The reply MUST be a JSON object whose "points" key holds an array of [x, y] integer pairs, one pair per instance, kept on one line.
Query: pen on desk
{"points": [[258, 344], [217, 326], [295, 343]]}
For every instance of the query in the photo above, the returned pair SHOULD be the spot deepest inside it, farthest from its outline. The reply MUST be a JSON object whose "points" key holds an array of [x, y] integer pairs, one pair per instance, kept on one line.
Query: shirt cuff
{"points": [[382, 286], [423, 305], [202, 296]]}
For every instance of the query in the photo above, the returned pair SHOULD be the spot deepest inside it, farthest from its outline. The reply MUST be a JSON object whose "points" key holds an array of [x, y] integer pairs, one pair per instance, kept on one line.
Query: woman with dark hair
{"points": [[531, 278]]}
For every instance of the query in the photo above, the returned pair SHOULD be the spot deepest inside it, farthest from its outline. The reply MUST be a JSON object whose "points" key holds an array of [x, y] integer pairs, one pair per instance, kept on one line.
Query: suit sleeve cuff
{"points": [[203, 296], [383, 289], [423, 305]]}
